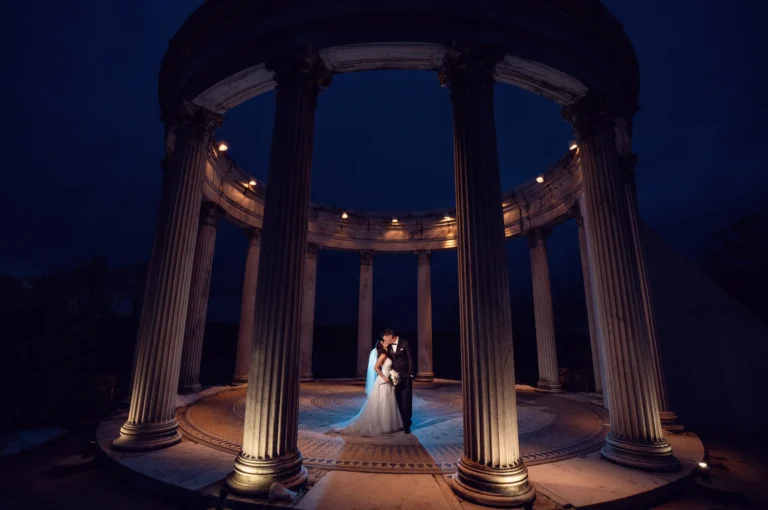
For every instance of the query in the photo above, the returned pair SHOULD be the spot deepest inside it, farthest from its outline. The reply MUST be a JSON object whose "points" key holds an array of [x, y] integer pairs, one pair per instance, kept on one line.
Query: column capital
{"points": [[366, 257], [210, 213], [623, 132], [628, 163], [253, 234], [423, 256], [299, 69], [470, 64], [189, 121], [575, 213], [312, 250], [169, 137], [538, 236], [594, 111]]}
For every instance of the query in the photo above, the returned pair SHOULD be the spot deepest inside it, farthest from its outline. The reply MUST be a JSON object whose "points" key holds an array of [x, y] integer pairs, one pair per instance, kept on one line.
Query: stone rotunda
{"points": [[229, 51]]}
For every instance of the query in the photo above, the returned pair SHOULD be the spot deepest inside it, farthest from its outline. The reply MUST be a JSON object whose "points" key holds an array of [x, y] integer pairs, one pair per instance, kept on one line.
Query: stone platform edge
{"points": [[587, 482]]}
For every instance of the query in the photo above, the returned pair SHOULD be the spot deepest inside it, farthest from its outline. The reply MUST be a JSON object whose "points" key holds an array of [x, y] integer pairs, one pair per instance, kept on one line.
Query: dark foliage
{"points": [[68, 337], [737, 260]]}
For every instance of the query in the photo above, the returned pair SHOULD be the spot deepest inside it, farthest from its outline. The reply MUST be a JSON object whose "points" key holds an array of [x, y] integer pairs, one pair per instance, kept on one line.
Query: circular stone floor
{"points": [[552, 428]]}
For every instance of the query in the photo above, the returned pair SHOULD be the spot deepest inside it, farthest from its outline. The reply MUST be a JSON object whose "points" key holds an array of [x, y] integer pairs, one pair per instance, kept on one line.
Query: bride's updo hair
{"points": [[380, 349]]}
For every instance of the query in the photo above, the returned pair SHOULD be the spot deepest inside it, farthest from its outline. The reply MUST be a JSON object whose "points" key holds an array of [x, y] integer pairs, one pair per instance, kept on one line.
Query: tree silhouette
{"points": [[738, 260], [61, 329]]}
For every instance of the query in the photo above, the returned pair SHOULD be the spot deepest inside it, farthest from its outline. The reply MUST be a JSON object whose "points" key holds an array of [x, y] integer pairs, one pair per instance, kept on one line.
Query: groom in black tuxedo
{"points": [[400, 352]]}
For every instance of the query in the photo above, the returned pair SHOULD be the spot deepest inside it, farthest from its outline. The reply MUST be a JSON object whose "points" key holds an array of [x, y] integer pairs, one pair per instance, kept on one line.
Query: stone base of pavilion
{"points": [[560, 440]]}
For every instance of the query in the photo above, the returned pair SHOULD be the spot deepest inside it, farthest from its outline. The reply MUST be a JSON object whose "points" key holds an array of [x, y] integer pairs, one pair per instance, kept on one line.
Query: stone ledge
{"points": [[591, 482], [586, 482]]}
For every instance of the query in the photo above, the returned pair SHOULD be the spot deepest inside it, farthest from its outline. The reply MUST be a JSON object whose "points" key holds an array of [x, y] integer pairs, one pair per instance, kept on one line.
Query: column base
{"points": [[359, 377], [425, 377], [504, 488], [148, 436], [670, 423], [240, 379], [548, 387], [597, 399], [253, 477], [307, 378], [648, 456], [190, 388]]}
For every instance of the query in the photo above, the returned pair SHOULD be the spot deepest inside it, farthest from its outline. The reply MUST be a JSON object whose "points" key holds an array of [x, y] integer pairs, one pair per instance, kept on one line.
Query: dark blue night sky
{"points": [[83, 142]]}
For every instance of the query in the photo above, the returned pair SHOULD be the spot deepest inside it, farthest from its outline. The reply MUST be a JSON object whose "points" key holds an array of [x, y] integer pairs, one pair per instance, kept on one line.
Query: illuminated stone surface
{"points": [[551, 428], [365, 313], [308, 313], [636, 438], [669, 419], [526, 206], [199, 290], [270, 451], [245, 331], [194, 468], [546, 348], [589, 296], [151, 423], [424, 315], [490, 470]]}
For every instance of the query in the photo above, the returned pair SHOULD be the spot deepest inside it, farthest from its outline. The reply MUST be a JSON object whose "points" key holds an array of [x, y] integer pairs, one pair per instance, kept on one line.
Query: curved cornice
{"points": [[556, 48], [526, 206]]}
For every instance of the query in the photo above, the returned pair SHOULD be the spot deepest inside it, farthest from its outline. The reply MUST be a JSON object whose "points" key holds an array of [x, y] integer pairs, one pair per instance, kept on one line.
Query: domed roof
{"points": [[551, 44]]}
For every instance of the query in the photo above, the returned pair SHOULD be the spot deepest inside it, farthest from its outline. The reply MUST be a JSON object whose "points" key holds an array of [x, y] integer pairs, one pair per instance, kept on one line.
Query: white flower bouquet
{"points": [[394, 377]]}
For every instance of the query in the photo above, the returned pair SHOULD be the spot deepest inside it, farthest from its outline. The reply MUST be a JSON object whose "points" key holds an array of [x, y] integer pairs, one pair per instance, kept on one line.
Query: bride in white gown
{"points": [[379, 414]]}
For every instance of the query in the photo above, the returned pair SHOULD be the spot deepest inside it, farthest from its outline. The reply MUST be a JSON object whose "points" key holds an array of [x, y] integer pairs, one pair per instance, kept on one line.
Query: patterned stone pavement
{"points": [[552, 428]]}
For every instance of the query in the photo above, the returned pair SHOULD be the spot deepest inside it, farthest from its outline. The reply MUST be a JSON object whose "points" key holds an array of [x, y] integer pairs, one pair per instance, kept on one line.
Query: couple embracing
{"points": [[388, 385]]}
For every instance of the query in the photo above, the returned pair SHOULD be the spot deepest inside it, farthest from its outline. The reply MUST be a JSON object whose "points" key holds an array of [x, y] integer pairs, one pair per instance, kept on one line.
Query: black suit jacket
{"points": [[401, 359]]}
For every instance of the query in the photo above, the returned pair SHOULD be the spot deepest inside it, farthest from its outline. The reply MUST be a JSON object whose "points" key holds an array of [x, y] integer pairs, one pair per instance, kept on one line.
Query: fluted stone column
{"points": [[270, 450], [365, 314], [669, 419], [424, 315], [308, 313], [636, 438], [546, 348], [245, 331], [192, 352], [594, 329], [490, 470], [151, 279], [151, 423]]}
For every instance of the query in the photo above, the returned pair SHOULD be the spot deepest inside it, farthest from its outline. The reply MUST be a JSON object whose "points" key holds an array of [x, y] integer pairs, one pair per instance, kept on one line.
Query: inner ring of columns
{"points": [[527, 206]]}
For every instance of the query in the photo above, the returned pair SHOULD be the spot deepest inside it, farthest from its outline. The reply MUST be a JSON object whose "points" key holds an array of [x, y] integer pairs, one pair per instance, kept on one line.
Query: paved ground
{"points": [[29, 481], [32, 480], [551, 428]]}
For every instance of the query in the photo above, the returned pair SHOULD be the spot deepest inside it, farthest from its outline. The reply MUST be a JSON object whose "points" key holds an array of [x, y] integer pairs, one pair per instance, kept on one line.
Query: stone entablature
{"points": [[526, 206], [553, 48]]}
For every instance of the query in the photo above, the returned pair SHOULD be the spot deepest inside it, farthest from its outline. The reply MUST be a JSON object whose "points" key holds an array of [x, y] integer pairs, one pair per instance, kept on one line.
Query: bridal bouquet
{"points": [[394, 377]]}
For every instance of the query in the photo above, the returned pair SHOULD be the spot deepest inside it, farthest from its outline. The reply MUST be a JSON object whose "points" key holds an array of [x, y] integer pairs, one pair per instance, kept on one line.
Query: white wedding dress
{"points": [[379, 414]]}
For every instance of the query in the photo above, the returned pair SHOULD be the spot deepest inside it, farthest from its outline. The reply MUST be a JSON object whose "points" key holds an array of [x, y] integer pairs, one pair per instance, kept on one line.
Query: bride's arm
{"points": [[377, 366]]}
